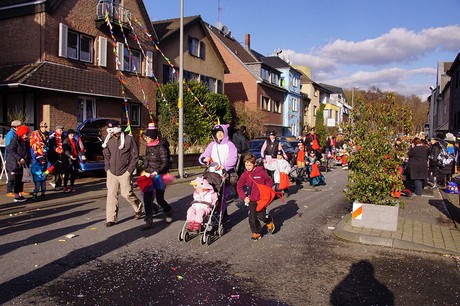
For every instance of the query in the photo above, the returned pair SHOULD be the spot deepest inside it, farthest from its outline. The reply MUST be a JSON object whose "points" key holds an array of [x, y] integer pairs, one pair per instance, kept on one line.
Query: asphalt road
{"points": [[300, 264]]}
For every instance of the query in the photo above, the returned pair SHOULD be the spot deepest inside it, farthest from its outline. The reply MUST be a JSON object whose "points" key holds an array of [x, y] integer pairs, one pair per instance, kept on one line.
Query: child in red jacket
{"points": [[248, 191]]}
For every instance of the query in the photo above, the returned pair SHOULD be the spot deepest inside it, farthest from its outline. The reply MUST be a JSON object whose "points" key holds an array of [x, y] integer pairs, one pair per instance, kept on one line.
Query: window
{"points": [[314, 111], [295, 104], [277, 106], [265, 103], [86, 109], [131, 61], [275, 79], [210, 82], [191, 76], [196, 48], [169, 74], [265, 74], [75, 45], [134, 112], [327, 113]]}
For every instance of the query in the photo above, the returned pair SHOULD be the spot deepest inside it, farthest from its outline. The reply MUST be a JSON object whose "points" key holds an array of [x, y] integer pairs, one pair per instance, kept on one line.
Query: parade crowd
{"points": [[255, 182]]}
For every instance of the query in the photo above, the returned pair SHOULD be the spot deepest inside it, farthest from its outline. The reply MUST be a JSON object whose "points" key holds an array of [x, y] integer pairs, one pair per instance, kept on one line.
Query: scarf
{"points": [[74, 147]]}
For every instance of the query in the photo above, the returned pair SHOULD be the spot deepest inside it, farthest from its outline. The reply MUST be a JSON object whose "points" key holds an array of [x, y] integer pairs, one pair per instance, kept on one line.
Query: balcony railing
{"points": [[116, 12]]}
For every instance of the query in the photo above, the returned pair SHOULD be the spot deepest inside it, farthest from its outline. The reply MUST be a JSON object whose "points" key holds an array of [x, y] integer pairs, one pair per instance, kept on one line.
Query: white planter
{"points": [[381, 217]]}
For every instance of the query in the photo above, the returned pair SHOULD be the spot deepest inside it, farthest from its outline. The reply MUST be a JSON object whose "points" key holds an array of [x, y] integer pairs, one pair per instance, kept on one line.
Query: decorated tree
{"points": [[201, 111], [374, 160]]}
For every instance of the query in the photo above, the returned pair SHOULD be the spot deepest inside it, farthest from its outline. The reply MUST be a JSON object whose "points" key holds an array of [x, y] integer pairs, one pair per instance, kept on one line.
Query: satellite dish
{"points": [[219, 25], [225, 30]]}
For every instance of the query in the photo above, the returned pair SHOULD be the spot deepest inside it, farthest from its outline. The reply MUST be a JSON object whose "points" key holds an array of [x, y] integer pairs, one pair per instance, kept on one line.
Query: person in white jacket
{"points": [[278, 165]]}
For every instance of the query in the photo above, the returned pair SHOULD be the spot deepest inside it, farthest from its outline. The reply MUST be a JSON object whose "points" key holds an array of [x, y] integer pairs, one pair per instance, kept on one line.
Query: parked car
{"points": [[294, 142], [256, 144], [90, 132]]}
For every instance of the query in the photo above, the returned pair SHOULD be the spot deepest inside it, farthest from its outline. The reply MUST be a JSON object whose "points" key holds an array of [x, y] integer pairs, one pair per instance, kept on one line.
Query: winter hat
{"points": [[70, 131], [15, 123], [40, 158], [152, 126], [151, 133], [202, 183], [272, 133], [22, 130], [449, 137], [216, 129], [113, 127]]}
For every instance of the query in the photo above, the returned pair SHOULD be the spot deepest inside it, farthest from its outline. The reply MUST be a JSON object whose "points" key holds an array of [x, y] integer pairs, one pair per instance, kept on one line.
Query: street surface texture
{"points": [[302, 263]]}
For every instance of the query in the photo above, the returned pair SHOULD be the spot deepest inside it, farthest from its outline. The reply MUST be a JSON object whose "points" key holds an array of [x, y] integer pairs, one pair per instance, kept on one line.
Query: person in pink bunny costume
{"points": [[204, 198]]}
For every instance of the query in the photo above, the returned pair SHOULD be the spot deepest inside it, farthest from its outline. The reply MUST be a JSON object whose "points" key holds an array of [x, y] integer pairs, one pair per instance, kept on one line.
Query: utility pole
{"points": [[180, 105]]}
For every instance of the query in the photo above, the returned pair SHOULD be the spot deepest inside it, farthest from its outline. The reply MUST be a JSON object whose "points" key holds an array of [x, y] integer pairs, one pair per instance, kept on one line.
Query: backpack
{"points": [[444, 158]]}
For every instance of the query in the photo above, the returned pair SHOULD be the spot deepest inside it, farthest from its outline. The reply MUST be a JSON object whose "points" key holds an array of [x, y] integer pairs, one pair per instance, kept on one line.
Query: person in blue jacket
{"points": [[8, 137]]}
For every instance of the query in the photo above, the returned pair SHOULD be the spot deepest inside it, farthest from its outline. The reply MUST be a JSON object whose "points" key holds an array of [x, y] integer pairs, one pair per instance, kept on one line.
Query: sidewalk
{"points": [[424, 225], [88, 188]]}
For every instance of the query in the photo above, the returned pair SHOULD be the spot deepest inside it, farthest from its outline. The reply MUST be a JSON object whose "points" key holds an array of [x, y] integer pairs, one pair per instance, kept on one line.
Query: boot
{"points": [[271, 227], [148, 222]]}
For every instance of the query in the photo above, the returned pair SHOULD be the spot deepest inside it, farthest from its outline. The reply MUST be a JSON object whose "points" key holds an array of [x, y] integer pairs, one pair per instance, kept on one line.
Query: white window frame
{"points": [[134, 112], [102, 51], [265, 103], [64, 47], [277, 106], [83, 103], [149, 64]]}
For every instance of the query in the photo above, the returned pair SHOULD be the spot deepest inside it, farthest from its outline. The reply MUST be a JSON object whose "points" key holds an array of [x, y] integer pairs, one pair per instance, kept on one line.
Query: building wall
{"points": [[20, 39], [79, 16], [211, 66]]}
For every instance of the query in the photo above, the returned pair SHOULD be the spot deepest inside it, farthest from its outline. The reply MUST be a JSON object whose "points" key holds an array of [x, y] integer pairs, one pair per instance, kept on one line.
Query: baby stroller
{"points": [[212, 222]]}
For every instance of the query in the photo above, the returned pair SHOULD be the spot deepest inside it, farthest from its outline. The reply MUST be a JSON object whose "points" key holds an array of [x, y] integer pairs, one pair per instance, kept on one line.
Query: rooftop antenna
{"points": [[219, 9]]}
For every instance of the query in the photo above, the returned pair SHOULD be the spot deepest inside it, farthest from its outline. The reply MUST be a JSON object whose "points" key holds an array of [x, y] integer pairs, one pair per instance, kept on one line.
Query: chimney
{"points": [[247, 41]]}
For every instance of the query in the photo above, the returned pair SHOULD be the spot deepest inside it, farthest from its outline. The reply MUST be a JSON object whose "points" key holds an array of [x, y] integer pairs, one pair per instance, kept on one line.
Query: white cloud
{"points": [[336, 62]]}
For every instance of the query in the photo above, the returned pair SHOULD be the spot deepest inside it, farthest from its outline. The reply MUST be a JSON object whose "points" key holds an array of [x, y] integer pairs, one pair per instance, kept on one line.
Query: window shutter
{"points": [[149, 64], [120, 52], [102, 52], [202, 50], [62, 40]]}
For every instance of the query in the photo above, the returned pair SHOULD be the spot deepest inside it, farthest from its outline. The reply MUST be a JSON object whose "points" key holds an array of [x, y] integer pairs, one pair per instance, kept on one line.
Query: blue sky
{"points": [[392, 44]]}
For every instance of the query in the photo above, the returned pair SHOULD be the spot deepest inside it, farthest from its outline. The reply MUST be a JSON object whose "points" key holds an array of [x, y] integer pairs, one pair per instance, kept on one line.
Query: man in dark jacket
{"points": [[120, 157], [241, 142]]}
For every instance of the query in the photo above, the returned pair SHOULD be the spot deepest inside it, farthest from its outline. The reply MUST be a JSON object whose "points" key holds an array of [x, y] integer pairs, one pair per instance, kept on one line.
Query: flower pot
{"points": [[381, 217]]}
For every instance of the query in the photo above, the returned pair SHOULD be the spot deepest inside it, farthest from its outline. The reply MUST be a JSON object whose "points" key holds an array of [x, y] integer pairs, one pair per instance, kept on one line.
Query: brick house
{"points": [[58, 62], [250, 80], [202, 60]]}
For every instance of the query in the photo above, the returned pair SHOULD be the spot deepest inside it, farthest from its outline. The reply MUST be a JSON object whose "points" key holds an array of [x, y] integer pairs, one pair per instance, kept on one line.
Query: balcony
{"points": [[116, 13]]}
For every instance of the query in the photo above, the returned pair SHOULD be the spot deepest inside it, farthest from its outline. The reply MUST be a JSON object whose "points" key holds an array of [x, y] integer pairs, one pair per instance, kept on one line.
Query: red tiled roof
{"points": [[51, 76]]}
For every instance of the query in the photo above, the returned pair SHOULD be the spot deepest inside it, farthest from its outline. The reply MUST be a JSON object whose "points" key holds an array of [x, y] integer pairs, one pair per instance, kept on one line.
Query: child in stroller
{"points": [[204, 198]]}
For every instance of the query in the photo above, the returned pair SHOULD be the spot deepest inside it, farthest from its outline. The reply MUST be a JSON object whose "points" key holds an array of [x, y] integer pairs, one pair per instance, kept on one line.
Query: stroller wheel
{"points": [[203, 238], [208, 239], [186, 236], [181, 236], [221, 231]]}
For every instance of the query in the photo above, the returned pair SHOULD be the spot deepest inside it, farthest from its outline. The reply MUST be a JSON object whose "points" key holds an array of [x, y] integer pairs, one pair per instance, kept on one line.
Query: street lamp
{"points": [[180, 157]]}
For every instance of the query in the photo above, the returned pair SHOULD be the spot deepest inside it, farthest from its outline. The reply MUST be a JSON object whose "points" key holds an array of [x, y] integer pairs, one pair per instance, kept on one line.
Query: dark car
{"points": [[256, 144], [90, 132], [294, 142]]}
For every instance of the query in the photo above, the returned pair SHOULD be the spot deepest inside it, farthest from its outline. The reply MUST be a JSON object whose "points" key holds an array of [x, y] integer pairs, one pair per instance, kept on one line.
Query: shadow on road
{"points": [[360, 287]]}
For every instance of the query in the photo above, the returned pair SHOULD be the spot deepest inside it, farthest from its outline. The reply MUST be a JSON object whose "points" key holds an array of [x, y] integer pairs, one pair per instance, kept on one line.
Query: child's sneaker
{"points": [[72, 189], [66, 189], [20, 199], [256, 236], [271, 227]]}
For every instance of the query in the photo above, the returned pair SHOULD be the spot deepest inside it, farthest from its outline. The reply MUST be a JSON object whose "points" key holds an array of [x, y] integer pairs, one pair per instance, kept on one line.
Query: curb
{"points": [[382, 241]]}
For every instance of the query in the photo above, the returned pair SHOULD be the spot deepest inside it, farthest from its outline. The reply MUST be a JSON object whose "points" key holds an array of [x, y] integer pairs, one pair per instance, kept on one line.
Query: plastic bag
{"points": [[27, 175]]}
